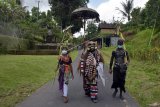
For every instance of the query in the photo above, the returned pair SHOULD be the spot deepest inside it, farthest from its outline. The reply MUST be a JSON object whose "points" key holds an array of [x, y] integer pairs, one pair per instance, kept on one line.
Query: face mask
{"points": [[120, 46]]}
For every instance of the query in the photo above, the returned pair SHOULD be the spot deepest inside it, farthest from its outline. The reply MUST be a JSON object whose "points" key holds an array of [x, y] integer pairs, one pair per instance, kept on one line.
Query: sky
{"points": [[105, 8], [44, 6]]}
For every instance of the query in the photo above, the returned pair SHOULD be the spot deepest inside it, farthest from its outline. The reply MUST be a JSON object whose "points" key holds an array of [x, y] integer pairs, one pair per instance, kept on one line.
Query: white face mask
{"points": [[64, 52], [120, 46]]}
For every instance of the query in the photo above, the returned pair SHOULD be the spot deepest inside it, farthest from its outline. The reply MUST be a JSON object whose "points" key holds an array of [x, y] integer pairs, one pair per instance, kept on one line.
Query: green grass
{"points": [[143, 79], [74, 54], [140, 40], [22, 75], [107, 52], [143, 82]]}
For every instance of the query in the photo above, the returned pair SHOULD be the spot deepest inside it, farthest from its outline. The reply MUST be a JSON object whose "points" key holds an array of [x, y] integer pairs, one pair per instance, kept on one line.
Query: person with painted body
{"points": [[120, 59], [65, 73], [90, 59]]}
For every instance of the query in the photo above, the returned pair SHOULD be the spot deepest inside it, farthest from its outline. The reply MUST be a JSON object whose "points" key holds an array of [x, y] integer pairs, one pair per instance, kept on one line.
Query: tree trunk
{"points": [[129, 18]]}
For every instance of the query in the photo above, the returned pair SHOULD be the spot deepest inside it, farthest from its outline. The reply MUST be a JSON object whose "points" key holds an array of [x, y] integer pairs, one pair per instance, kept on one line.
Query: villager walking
{"points": [[119, 62], [65, 73], [90, 59]]}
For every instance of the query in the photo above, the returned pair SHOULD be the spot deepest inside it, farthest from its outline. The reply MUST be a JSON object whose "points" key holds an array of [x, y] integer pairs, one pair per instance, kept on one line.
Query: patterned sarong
{"points": [[64, 76], [90, 77]]}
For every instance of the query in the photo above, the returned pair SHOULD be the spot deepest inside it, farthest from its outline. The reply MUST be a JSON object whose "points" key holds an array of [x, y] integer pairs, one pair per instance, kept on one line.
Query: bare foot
{"points": [[65, 99]]}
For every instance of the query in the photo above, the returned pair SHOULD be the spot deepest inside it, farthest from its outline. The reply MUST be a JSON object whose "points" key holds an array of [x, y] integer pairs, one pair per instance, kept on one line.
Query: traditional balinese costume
{"points": [[88, 67], [119, 58], [65, 74]]}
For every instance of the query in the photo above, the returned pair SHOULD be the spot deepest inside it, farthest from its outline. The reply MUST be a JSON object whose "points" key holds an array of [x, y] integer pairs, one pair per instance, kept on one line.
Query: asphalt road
{"points": [[49, 95]]}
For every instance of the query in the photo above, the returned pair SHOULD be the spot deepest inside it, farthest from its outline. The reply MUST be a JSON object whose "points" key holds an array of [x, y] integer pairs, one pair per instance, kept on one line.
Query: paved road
{"points": [[49, 96]]}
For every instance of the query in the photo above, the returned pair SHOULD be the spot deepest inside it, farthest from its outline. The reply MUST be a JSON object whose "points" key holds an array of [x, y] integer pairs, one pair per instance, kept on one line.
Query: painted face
{"points": [[91, 46]]}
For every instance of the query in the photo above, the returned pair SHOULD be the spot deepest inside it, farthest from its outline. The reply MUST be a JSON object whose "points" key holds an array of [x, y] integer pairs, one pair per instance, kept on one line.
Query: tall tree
{"points": [[143, 16], [127, 9], [10, 11], [136, 16], [34, 14], [92, 31], [62, 9], [49, 15], [152, 10], [77, 24]]}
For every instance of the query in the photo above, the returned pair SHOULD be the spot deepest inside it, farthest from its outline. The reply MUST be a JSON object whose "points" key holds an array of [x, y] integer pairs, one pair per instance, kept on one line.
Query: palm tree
{"points": [[127, 9]]}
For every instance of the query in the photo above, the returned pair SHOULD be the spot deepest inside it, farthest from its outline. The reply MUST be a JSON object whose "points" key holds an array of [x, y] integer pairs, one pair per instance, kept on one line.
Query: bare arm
{"points": [[128, 59], [111, 60]]}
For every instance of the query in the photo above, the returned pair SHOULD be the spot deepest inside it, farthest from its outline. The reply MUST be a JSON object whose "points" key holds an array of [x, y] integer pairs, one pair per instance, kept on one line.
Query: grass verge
{"points": [[21, 75], [74, 54]]}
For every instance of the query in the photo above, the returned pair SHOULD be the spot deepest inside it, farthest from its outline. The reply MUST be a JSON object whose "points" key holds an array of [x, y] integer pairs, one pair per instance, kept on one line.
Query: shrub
{"points": [[13, 43], [3, 49]]}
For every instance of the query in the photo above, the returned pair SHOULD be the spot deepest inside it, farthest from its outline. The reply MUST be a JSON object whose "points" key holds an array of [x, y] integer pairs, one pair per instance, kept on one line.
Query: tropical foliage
{"points": [[147, 17], [92, 31], [144, 31], [15, 20], [127, 9], [62, 9]]}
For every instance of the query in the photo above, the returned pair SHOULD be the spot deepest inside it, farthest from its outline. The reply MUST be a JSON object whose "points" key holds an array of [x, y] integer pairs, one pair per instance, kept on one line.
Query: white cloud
{"points": [[108, 9], [43, 5], [80, 33]]}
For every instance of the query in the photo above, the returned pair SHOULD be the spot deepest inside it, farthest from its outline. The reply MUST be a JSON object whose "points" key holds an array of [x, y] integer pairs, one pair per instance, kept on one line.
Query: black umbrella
{"points": [[84, 13]]}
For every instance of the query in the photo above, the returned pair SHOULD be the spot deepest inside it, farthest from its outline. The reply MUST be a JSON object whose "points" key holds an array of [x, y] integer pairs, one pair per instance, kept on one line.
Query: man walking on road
{"points": [[120, 58], [88, 67]]}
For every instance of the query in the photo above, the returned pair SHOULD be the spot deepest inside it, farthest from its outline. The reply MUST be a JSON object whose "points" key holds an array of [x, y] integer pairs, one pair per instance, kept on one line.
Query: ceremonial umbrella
{"points": [[84, 13]]}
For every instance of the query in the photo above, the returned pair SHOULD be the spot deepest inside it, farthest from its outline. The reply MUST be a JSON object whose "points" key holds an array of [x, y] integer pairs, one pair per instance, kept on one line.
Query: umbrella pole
{"points": [[84, 23]]}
